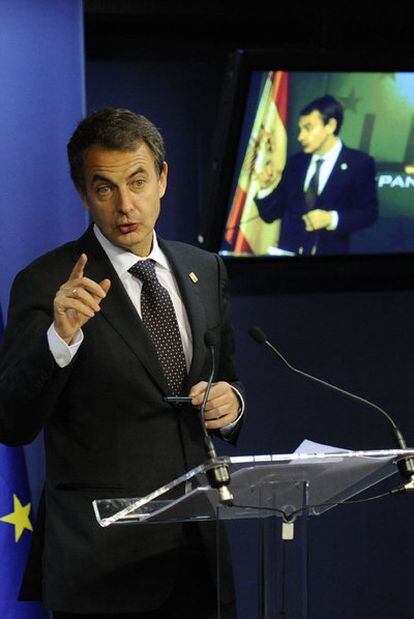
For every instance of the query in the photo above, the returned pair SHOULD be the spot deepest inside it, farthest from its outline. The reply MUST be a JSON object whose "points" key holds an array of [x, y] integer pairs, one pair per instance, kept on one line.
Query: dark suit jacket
{"points": [[108, 432], [350, 190]]}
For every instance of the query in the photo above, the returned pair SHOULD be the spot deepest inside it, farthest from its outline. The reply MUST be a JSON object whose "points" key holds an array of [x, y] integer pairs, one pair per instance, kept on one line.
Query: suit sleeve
{"points": [[274, 205], [226, 363], [30, 380]]}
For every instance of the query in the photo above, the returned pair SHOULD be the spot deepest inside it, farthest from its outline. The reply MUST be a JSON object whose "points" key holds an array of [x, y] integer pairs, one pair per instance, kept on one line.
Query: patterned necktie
{"points": [[312, 191], [158, 316]]}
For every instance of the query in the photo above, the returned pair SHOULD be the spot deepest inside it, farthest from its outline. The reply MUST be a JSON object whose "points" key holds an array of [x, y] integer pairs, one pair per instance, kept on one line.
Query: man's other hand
{"points": [[222, 406], [317, 220]]}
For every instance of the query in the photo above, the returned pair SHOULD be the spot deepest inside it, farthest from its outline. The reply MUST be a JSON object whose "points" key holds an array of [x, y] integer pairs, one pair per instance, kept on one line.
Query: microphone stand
{"points": [[405, 465], [218, 475]]}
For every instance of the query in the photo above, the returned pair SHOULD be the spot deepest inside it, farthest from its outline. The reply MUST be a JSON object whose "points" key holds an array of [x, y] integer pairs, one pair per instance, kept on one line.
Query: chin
{"points": [[122, 240]]}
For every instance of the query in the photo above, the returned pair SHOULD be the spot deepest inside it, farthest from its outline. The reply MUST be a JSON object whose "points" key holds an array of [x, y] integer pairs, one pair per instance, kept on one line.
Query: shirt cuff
{"points": [[226, 430], [63, 353], [334, 221]]}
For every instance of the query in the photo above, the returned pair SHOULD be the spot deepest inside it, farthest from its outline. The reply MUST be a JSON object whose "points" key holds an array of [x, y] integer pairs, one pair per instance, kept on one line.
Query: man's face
{"points": [[314, 135], [122, 192]]}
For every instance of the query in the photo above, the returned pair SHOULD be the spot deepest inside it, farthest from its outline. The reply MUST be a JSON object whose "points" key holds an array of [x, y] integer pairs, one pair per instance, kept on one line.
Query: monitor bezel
{"points": [[352, 271]]}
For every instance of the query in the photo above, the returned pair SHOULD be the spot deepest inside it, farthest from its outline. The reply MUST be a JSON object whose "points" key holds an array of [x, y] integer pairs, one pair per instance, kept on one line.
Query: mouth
{"points": [[127, 228]]}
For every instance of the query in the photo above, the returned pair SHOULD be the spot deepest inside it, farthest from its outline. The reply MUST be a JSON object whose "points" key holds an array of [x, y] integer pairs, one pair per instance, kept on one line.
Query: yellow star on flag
{"points": [[19, 518]]}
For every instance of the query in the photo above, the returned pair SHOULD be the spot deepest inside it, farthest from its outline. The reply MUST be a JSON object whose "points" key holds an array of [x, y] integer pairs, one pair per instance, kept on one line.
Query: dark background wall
{"points": [[167, 60]]}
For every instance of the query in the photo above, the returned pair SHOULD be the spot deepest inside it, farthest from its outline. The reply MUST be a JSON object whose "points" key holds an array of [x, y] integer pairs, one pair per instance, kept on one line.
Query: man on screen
{"points": [[100, 330], [327, 191]]}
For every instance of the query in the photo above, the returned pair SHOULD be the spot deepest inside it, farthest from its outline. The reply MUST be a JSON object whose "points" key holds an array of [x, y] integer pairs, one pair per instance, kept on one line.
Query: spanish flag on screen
{"points": [[262, 168], [16, 517]]}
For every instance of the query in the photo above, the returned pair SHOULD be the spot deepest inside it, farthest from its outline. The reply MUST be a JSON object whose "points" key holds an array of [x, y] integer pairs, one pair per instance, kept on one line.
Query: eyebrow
{"points": [[100, 177]]}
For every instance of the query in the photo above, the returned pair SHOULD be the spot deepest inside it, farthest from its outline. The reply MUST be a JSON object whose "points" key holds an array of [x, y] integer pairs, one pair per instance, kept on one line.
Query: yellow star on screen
{"points": [[19, 518]]}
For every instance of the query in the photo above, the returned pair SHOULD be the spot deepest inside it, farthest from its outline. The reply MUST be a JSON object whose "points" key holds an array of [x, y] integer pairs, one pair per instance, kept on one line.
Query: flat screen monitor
{"points": [[263, 201]]}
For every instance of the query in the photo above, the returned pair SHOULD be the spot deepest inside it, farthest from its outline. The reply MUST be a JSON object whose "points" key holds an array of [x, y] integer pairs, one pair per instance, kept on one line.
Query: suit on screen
{"points": [[350, 190]]}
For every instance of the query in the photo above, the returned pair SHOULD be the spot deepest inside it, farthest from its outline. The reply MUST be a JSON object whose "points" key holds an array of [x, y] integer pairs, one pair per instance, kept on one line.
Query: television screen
{"points": [[320, 159]]}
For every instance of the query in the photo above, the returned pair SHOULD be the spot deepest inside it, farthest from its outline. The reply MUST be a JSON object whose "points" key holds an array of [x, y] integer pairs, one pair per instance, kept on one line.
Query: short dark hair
{"points": [[328, 107], [112, 128]]}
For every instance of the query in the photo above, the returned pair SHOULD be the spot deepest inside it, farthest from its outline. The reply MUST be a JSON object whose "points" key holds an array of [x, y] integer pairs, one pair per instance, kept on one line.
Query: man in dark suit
{"points": [[327, 191], [81, 360]]}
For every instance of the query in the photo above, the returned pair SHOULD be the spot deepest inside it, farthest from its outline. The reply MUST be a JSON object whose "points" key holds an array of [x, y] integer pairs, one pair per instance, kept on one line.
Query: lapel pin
{"points": [[193, 277], [344, 166]]}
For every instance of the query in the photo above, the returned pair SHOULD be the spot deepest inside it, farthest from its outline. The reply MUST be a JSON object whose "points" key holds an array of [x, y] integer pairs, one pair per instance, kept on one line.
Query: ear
{"points": [[332, 125], [162, 180]]}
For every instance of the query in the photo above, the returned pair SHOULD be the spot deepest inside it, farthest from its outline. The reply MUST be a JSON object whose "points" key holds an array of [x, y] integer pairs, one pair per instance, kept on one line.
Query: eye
{"points": [[137, 184], [103, 190]]}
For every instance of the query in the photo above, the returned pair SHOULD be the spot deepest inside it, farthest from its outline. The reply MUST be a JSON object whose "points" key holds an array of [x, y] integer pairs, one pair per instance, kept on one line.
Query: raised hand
{"points": [[77, 301]]}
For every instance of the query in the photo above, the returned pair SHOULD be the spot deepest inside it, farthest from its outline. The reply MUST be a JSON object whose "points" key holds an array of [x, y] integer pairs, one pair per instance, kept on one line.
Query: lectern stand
{"points": [[291, 486]]}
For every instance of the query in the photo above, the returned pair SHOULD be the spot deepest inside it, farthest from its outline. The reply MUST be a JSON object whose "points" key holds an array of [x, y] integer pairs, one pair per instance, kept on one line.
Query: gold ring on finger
{"points": [[74, 292]]}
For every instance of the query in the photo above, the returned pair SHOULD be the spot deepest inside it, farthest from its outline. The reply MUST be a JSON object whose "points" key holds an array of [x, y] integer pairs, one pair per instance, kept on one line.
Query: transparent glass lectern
{"points": [[281, 491]]}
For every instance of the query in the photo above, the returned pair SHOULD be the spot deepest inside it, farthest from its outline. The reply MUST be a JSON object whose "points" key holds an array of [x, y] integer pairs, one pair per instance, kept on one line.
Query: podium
{"points": [[279, 491]]}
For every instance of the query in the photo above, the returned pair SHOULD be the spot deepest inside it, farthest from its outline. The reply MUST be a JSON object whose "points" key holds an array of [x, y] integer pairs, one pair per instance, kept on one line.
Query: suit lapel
{"points": [[299, 180], [118, 309], [338, 169]]}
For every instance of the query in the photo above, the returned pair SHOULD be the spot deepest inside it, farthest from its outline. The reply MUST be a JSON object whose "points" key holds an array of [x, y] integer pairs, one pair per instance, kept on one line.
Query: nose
{"points": [[124, 200]]}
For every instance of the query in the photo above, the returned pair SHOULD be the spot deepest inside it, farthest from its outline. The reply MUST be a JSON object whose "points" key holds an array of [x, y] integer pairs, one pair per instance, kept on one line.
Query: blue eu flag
{"points": [[16, 519]]}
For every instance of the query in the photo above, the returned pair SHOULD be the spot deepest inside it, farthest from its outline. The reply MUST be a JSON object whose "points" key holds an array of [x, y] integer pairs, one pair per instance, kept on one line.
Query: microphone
{"points": [[210, 343], [218, 475], [406, 465]]}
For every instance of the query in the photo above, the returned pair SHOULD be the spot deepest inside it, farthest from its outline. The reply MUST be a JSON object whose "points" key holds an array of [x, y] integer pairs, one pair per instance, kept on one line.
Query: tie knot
{"points": [[144, 270]]}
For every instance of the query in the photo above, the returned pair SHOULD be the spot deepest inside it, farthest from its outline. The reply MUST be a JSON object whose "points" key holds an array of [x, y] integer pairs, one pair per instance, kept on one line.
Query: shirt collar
{"points": [[122, 260], [332, 154]]}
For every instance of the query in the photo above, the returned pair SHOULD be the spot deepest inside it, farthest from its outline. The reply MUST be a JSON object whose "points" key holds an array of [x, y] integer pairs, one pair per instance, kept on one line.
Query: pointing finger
{"points": [[79, 267]]}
